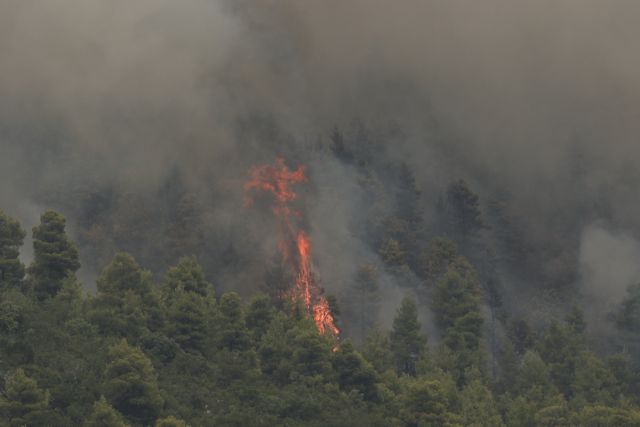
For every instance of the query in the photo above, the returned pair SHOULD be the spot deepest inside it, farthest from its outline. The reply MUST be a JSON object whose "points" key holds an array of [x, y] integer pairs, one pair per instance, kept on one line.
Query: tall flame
{"points": [[278, 179]]}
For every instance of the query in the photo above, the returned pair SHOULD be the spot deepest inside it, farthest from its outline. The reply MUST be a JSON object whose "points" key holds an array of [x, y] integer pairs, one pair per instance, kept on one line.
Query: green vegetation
{"points": [[140, 353]]}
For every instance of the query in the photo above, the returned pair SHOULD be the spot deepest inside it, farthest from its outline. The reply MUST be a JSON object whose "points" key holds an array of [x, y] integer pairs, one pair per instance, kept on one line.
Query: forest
{"points": [[173, 350], [319, 213]]}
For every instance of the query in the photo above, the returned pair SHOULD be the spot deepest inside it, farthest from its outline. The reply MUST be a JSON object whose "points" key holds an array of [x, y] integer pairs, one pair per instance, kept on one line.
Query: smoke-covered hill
{"points": [[501, 132]]}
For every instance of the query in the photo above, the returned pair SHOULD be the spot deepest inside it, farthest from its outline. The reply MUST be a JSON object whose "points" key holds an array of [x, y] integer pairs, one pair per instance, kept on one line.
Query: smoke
{"points": [[608, 266], [111, 86], [540, 99], [336, 208], [609, 263]]}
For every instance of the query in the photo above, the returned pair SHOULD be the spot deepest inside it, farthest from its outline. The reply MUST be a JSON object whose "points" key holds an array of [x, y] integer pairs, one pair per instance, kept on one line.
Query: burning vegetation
{"points": [[293, 243], [461, 178]]}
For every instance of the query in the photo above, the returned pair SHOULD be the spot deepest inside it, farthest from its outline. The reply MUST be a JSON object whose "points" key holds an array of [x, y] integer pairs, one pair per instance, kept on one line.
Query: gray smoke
{"points": [[609, 264], [540, 99]]}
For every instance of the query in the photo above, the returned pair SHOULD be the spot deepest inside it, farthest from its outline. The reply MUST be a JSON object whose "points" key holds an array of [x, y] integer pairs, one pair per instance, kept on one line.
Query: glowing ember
{"points": [[277, 179]]}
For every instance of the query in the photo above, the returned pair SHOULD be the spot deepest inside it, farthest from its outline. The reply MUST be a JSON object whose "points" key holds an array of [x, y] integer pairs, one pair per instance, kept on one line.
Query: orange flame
{"points": [[277, 179]]}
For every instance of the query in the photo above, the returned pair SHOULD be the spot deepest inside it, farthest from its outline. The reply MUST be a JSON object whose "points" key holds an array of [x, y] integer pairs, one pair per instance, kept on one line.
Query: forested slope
{"points": [[176, 353]]}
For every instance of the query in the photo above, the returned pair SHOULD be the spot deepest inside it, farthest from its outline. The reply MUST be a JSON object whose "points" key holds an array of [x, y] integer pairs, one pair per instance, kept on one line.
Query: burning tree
{"points": [[294, 243]]}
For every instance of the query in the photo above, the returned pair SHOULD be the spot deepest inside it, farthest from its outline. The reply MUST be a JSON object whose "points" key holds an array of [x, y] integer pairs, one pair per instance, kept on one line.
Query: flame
{"points": [[278, 179], [303, 281]]}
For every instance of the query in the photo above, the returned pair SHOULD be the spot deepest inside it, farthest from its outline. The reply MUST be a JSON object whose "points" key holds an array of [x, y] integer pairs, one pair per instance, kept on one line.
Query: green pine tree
{"points": [[103, 415], [171, 422], [131, 385], [354, 372], [377, 349], [23, 402], [11, 238], [478, 407], [187, 276], [187, 320], [259, 314], [123, 275], [456, 305], [462, 210], [55, 255], [407, 342]]}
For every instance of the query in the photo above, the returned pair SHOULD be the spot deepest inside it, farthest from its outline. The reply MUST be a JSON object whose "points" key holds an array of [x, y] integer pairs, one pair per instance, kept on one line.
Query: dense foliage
{"points": [[175, 353]]}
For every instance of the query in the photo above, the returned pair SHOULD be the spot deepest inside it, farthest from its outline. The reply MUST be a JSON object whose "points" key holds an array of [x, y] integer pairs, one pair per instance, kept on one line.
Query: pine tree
{"points": [[620, 366], [122, 275], [556, 412], [259, 314], [456, 305], [462, 210], [560, 347], [233, 329], [628, 316], [275, 351], [534, 392], [68, 303], [392, 254], [593, 382], [55, 255], [170, 422], [377, 349], [436, 259], [277, 281], [425, 403], [187, 323], [125, 305], [187, 276], [310, 354], [601, 415], [575, 320], [478, 407], [407, 342], [103, 415], [354, 372], [131, 385], [11, 238], [521, 335], [533, 376], [407, 198], [365, 294], [235, 356], [339, 148], [23, 402], [455, 297]]}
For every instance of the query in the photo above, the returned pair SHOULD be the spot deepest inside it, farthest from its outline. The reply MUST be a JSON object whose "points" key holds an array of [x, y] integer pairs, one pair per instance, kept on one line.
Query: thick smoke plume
{"points": [[159, 104]]}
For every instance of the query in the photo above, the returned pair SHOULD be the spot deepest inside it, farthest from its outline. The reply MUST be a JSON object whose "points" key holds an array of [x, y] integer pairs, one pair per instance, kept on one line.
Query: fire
{"points": [[278, 180], [303, 281]]}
